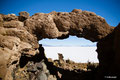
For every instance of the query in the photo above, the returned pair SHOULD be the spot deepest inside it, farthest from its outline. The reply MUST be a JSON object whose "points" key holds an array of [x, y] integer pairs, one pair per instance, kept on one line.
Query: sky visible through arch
{"points": [[72, 41]]}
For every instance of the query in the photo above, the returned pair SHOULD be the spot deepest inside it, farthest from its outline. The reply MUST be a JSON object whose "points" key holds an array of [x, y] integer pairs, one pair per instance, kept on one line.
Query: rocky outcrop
{"points": [[116, 49], [62, 24], [70, 70], [71, 65], [108, 54], [19, 35], [14, 40]]}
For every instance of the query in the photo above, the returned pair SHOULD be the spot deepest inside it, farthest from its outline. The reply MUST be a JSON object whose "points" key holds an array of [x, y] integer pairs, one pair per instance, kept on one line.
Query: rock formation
{"points": [[62, 24], [19, 36]]}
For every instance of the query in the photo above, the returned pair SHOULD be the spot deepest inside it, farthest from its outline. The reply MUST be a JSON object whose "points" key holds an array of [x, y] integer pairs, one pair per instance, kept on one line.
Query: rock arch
{"points": [[20, 35], [62, 24]]}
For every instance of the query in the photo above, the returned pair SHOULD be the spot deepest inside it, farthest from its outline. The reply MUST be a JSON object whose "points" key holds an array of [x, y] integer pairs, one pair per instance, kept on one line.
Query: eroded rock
{"points": [[56, 24], [19, 35], [23, 16]]}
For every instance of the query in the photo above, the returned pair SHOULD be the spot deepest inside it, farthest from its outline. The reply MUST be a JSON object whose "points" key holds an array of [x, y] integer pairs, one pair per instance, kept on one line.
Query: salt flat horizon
{"points": [[74, 53]]}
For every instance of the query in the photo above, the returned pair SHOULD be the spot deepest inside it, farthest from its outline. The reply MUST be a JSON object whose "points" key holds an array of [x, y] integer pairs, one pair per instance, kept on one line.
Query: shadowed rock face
{"points": [[108, 50], [20, 35], [116, 50]]}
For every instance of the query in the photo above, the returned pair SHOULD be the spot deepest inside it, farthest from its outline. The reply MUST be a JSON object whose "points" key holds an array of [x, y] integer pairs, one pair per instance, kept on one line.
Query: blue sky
{"points": [[109, 9], [72, 41]]}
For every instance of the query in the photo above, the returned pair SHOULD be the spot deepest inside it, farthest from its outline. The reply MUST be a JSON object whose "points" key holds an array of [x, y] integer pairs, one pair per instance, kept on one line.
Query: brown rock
{"points": [[13, 24], [61, 24], [60, 56], [23, 15], [10, 17], [19, 35], [108, 54], [77, 10]]}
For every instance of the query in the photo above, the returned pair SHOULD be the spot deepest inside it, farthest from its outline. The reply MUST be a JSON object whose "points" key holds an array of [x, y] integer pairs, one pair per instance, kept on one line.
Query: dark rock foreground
{"points": [[21, 57]]}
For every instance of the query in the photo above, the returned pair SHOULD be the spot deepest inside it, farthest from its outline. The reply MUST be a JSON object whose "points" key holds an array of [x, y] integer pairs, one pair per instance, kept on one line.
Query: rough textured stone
{"points": [[108, 54], [20, 35], [10, 17], [13, 40], [61, 24], [23, 15]]}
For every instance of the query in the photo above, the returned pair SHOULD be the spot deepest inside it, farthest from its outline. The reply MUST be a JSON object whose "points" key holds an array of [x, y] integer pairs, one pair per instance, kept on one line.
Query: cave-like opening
{"points": [[73, 48]]}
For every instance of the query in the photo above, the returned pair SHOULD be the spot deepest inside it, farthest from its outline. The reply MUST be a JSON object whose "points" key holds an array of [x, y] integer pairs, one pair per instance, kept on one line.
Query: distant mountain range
{"points": [[69, 45]]}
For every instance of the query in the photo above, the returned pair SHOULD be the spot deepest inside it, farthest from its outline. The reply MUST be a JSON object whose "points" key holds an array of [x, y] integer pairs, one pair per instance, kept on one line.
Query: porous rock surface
{"points": [[19, 35]]}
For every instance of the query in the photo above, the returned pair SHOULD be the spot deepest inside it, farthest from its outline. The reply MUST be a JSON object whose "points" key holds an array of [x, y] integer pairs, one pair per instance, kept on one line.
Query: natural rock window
{"points": [[73, 48], [19, 36]]}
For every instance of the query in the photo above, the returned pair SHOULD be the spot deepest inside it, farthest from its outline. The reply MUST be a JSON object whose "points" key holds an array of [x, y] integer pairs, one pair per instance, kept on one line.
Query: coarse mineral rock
{"points": [[19, 36]]}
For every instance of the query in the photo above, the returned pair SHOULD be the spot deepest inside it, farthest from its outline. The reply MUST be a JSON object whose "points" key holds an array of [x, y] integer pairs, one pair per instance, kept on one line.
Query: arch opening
{"points": [[76, 49]]}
